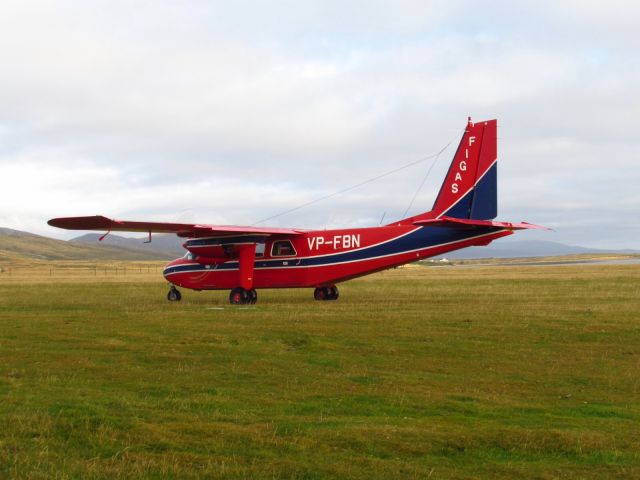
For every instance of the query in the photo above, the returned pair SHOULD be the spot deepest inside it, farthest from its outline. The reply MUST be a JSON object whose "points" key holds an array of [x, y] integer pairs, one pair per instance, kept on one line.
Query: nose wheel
{"points": [[174, 294], [326, 293], [240, 296]]}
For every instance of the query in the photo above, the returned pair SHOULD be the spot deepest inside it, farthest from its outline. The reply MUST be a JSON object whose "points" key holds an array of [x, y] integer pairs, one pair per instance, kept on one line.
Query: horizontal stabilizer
{"points": [[472, 223]]}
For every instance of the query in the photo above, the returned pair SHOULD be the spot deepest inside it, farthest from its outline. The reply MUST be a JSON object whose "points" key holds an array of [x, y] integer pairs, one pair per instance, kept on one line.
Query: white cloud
{"points": [[235, 111]]}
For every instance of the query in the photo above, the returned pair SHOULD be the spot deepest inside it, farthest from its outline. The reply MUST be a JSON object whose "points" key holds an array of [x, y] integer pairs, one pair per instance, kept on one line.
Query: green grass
{"points": [[515, 372]]}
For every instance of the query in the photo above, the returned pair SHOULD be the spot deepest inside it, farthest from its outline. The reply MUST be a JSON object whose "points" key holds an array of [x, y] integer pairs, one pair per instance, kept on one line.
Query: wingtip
{"points": [[81, 223], [533, 226]]}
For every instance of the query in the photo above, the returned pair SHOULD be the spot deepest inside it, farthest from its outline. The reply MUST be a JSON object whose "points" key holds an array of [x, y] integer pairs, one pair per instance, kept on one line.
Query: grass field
{"points": [[487, 372]]}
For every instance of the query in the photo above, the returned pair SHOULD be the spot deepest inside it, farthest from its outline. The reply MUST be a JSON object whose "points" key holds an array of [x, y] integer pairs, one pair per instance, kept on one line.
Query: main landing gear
{"points": [[240, 296], [174, 294], [326, 293]]}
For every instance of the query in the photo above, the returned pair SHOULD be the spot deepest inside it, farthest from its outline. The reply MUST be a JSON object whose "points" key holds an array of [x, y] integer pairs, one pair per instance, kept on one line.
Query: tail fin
{"points": [[470, 187]]}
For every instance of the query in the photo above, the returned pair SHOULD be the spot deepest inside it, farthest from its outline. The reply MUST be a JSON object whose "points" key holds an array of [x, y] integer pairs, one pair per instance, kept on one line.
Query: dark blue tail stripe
{"points": [[481, 202], [485, 198]]}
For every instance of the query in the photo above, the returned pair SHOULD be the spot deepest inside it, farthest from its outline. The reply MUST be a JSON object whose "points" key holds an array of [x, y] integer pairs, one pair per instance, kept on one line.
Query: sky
{"points": [[231, 112]]}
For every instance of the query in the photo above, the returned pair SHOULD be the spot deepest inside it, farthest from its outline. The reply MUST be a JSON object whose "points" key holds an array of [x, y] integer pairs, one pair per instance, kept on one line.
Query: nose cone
{"points": [[172, 270]]}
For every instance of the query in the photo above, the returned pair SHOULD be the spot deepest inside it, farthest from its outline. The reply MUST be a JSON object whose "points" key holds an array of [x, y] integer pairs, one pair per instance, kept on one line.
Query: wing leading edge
{"points": [[190, 230]]}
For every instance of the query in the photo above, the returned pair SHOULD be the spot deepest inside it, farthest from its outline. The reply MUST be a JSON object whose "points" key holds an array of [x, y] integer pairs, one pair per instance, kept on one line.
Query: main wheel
{"points": [[326, 293], [174, 295], [252, 295], [320, 293], [334, 293], [239, 296]]}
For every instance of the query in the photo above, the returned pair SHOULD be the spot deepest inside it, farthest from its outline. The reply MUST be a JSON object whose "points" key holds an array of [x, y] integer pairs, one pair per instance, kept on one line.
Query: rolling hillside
{"points": [[164, 244], [507, 248], [504, 248], [17, 246], [22, 246]]}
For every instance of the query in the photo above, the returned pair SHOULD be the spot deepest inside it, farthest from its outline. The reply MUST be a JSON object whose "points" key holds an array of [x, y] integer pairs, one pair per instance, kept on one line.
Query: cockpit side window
{"points": [[260, 246], [282, 248]]}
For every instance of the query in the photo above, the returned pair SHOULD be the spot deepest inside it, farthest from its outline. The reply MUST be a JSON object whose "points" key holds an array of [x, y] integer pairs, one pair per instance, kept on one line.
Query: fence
{"points": [[75, 271]]}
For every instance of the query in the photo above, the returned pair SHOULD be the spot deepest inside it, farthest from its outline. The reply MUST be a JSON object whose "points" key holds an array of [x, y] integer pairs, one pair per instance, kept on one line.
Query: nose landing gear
{"points": [[326, 293], [174, 294]]}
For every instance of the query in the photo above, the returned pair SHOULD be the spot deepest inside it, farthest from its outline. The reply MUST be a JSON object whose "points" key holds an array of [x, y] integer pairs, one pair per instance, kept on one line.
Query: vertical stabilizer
{"points": [[470, 187]]}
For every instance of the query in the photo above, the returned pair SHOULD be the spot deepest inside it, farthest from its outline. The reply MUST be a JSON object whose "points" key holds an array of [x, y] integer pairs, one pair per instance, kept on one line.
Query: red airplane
{"points": [[246, 258]]}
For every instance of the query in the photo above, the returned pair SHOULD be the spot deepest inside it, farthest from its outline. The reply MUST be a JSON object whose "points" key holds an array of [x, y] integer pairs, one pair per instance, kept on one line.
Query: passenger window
{"points": [[282, 248]]}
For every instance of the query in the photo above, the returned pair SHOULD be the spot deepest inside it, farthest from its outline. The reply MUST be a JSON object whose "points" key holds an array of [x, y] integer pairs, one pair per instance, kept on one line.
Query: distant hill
{"points": [[17, 245], [526, 248], [171, 245], [20, 246], [168, 245]]}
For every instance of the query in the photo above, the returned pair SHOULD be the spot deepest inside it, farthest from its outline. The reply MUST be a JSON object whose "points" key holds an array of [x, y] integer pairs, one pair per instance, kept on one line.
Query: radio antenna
{"points": [[344, 190]]}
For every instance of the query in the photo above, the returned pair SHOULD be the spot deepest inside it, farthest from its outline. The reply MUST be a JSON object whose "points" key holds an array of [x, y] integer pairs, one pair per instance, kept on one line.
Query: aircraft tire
{"points": [[174, 295], [334, 293], [320, 293], [326, 293], [239, 296], [253, 296]]}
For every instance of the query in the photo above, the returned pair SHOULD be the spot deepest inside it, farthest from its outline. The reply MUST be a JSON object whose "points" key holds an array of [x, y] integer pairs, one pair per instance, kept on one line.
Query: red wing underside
{"points": [[189, 230]]}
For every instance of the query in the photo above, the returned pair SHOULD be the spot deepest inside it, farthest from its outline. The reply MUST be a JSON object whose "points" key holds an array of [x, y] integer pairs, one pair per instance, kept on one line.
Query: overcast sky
{"points": [[230, 112]]}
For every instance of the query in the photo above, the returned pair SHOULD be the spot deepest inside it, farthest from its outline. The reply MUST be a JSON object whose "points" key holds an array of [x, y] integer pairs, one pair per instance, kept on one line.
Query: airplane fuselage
{"points": [[318, 258]]}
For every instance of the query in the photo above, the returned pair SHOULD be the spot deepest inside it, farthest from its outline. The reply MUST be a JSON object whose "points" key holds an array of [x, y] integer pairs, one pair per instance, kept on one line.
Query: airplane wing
{"points": [[189, 230], [472, 223]]}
